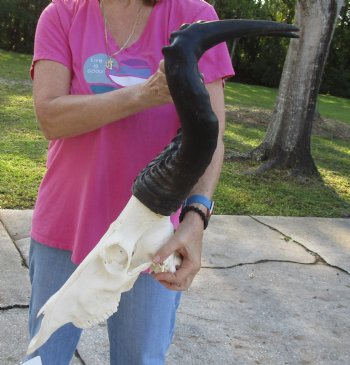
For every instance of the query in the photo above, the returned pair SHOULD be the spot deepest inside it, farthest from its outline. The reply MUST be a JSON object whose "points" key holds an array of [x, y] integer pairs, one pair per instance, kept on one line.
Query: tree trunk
{"points": [[288, 137], [233, 48]]}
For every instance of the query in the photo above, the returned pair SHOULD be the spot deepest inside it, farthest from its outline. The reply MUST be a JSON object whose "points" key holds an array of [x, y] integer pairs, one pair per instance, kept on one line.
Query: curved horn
{"points": [[166, 182]]}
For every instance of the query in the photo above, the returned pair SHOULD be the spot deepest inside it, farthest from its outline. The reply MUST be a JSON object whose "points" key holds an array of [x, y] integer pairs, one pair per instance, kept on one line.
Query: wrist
{"points": [[141, 96], [199, 205], [194, 215]]}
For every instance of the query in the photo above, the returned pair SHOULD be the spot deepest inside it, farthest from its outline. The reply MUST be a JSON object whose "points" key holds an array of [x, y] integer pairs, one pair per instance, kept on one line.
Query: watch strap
{"points": [[200, 199]]}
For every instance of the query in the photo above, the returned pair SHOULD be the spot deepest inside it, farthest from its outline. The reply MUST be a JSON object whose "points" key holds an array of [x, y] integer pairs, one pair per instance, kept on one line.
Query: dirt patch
{"points": [[331, 128], [21, 83], [321, 127]]}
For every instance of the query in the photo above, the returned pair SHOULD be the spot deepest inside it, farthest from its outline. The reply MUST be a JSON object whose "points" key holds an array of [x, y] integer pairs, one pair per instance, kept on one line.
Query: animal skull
{"points": [[93, 291]]}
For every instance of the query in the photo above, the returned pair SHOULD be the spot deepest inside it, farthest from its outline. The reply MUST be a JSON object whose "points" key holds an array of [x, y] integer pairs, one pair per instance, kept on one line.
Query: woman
{"points": [[101, 98]]}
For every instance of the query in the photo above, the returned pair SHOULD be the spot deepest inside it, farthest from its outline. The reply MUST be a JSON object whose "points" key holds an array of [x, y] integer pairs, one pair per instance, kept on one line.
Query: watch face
{"points": [[210, 210], [211, 207]]}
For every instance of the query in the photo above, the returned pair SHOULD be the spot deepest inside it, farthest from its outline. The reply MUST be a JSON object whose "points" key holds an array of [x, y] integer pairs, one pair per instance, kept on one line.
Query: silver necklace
{"points": [[110, 60]]}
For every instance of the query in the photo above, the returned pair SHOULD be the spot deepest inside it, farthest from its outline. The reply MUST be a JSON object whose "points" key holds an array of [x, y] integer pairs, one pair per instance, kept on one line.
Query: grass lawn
{"points": [[23, 152], [264, 98], [278, 193], [22, 147]]}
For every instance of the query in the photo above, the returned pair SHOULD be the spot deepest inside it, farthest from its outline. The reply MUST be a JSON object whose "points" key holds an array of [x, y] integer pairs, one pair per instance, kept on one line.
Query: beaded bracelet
{"points": [[191, 208]]}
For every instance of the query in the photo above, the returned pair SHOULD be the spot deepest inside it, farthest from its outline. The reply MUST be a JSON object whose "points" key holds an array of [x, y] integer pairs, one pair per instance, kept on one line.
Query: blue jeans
{"points": [[139, 333]]}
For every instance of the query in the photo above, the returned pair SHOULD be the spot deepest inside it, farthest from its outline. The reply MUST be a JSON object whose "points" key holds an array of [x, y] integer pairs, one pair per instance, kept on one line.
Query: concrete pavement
{"points": [[272, 290]]}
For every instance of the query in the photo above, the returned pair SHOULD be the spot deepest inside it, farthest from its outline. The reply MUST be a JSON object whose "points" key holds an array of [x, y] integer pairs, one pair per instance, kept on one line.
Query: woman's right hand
{"points": [[155, 90]]}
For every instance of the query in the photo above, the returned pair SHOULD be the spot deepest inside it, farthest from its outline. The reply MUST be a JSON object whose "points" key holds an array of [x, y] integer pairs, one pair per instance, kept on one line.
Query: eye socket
{"points": [[115, 258]]}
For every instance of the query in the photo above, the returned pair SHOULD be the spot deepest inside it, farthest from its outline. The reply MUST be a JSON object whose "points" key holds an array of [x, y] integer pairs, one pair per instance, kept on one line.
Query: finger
{"points": [[171, 278], [165, 252], [181, 278], [175, 287], [161, 66]]}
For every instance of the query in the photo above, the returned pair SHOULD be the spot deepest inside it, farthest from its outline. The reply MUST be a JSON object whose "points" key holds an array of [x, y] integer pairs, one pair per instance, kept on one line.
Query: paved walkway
{"points": [[272, 290]]}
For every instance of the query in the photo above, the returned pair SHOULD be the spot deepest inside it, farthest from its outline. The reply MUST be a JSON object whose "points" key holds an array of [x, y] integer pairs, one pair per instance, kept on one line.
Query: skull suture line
{"points": [[93, 291]]}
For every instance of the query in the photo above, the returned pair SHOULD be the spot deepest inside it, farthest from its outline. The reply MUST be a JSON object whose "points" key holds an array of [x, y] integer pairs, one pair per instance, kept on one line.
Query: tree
{"points": [[257, 60], [288, 138], [337, 72], [18, 22], [260, 61]]}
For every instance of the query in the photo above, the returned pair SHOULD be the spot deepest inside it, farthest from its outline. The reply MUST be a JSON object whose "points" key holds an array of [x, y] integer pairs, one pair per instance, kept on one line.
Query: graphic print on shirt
{"points": [[124, 73]]}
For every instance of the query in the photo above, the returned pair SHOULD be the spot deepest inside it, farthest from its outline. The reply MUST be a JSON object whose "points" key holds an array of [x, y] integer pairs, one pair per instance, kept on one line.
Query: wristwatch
{"points": [[203, 200]]}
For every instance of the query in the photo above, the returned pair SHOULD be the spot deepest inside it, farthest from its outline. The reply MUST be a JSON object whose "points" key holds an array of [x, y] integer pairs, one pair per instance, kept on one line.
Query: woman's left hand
{"points": [[187, 241]]}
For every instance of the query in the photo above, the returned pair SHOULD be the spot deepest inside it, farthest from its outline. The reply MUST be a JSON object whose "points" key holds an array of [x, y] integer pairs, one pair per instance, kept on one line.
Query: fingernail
{"points": [[156, 259]]}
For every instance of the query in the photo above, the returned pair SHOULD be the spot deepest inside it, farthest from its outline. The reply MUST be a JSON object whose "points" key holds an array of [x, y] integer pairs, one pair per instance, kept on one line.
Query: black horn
{"points": [[166, 182]]}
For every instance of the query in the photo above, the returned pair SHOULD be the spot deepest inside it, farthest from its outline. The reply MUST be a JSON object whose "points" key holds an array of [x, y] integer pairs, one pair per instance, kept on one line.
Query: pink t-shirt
{"points": [[89, 177]]}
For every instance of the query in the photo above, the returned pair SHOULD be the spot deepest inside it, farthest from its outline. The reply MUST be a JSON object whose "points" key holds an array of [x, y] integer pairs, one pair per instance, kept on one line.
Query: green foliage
{"points": [[260, 61], [18, 20], [337, 73]]}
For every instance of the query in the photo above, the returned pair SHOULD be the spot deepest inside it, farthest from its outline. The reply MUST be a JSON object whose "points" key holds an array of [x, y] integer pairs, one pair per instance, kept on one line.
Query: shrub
{"points": [[18, 20]]}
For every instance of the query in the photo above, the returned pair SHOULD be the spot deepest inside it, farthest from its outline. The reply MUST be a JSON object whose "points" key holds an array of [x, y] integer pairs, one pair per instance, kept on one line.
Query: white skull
{"points": [[93, 291]]}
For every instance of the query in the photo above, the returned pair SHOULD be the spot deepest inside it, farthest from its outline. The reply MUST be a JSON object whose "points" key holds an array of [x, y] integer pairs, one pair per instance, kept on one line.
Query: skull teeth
{"points": [[95, 320]]}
